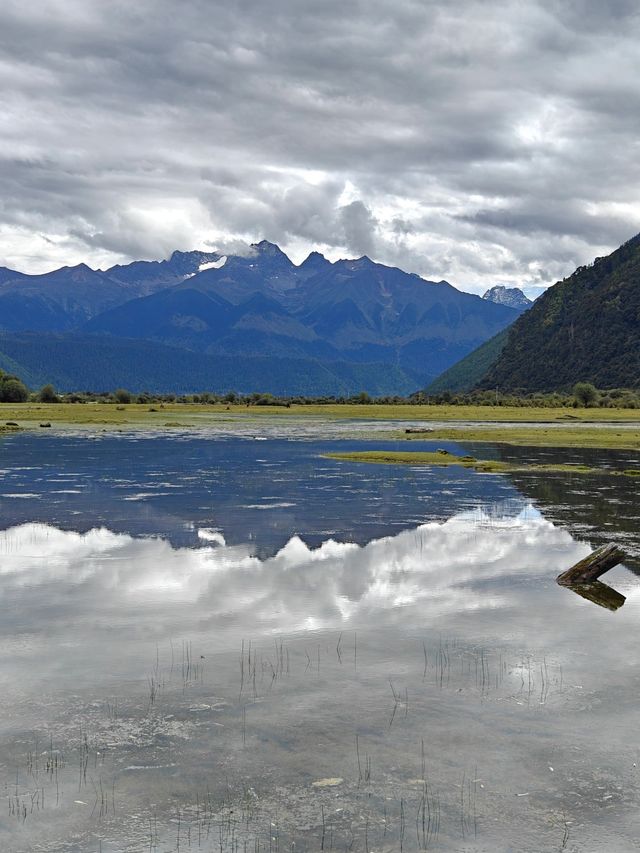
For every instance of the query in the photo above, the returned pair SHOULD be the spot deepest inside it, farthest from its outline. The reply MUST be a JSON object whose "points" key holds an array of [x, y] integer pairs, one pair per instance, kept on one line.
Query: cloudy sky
{"points": [[483, 142]]}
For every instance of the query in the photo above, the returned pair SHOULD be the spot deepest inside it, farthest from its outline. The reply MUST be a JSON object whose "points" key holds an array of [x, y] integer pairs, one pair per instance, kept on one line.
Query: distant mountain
{"points": [[66, 298], [511, 296], [262, 306], [144, 277], [56, 301], [313, 264], [354, 311], [10, 275], [584, 328]]}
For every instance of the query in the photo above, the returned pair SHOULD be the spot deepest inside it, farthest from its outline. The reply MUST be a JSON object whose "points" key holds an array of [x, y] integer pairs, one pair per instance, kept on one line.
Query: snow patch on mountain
{"points": [[213, 265]]}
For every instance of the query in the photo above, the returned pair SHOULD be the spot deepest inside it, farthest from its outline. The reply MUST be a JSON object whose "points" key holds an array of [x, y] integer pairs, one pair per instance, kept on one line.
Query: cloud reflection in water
{"points": [[101, 574]]}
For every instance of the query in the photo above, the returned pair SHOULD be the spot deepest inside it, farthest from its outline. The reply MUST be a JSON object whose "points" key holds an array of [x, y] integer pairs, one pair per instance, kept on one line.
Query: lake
{"points": [[223, 641]]}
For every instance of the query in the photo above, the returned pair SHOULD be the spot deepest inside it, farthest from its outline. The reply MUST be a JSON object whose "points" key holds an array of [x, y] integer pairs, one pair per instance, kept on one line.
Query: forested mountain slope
{"points": [[584, 328]]}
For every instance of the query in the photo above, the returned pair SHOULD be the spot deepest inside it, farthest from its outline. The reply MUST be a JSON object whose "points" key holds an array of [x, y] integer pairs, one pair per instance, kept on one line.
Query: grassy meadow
{"points": [[558, 427]]}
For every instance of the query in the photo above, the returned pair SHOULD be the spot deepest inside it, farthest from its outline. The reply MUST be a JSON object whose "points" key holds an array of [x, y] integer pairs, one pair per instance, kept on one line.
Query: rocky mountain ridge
{"points": [[261, 305], [511, 296]]}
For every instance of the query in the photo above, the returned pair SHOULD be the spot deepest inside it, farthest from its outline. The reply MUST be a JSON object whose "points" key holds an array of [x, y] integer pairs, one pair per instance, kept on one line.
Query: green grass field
{"points": [[572, 428], [596, 436]]}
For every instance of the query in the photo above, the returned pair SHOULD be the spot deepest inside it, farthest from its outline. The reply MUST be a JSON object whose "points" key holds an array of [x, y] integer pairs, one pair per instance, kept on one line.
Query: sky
{"points": [[479, 142]]}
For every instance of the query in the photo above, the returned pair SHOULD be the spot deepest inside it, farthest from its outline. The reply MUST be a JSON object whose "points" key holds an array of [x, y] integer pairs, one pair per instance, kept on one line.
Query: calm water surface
{"points": [[220, 643]]}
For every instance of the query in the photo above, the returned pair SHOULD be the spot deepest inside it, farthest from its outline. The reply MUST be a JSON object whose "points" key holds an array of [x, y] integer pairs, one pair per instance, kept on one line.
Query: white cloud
{"points": [[483, 142]]}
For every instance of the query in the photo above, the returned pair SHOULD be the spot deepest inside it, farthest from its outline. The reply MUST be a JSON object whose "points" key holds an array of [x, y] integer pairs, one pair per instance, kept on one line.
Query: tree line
{"points": [[583, 394]]}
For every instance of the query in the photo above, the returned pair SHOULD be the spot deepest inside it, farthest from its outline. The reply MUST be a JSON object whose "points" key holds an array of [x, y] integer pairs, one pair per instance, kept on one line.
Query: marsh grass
{"points": [[194, 415], [444, 459], [590, 435], [399, 793]]}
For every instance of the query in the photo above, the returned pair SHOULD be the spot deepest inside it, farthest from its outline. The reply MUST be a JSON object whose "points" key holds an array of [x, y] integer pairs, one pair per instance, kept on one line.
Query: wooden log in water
{"points": [[599, 593], [593, 566]]}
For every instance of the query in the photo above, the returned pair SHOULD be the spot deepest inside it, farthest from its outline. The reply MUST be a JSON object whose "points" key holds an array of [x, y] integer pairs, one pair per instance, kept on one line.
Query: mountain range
{"points": [[203, 320]]}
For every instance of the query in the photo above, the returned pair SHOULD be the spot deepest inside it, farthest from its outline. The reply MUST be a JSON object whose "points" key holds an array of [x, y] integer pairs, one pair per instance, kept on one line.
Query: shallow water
{"points": [[216, 643]]}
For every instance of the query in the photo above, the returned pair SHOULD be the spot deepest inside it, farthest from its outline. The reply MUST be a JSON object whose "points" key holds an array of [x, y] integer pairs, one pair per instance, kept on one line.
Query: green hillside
{"points": [[468, 372], [584, 328], [75, 362]]}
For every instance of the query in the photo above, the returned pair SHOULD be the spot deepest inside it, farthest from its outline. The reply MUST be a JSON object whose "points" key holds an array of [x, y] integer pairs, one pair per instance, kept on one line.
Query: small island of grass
{"points": [[442, 458]]}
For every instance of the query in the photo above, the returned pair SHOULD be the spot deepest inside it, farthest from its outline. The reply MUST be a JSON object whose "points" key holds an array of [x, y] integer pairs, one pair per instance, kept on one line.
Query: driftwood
{"points": [[599, 593], [418, 430], [593, 566]]}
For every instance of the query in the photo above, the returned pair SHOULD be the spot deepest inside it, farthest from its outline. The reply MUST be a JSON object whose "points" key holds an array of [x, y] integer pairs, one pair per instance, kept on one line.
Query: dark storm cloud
{"points": [[478, 141]]}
